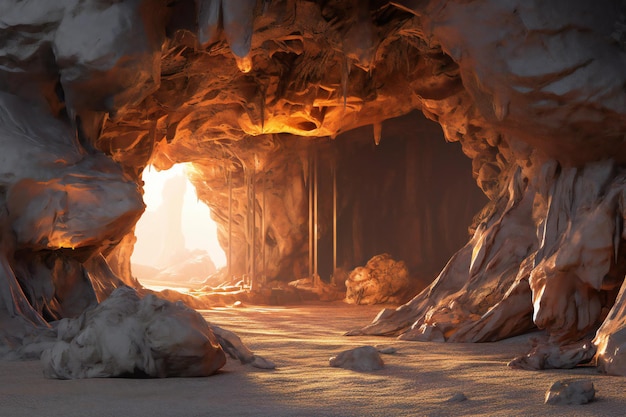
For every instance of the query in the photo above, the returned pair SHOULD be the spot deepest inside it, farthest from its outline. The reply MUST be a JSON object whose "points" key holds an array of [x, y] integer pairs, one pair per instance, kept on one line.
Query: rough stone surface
{"points": [[571, 391], [381, 280], [549, 356], [126, 335], [365, 358]]}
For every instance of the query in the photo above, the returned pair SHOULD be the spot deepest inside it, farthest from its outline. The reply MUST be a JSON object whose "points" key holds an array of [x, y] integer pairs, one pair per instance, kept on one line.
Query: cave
{"points": [[481, 144]]}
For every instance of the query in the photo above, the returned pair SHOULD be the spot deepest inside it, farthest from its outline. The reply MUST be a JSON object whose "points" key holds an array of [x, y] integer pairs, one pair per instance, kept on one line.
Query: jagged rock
{"points": [[127, 335], [365, 358], [381, 280], [549, 356], [571, 391]]}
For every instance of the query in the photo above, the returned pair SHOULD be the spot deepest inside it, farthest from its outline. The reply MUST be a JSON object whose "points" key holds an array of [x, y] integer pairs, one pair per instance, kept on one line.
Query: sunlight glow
{"points": [[199, 230]]}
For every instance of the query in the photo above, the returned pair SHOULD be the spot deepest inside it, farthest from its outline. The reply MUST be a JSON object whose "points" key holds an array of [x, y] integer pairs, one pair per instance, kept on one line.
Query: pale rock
{"points": [[365, 358], [571, 392], [126, 335], [232, 344]]}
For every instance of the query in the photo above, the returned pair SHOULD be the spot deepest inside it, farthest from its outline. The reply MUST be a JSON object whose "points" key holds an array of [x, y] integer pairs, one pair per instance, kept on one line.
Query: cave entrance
{"points": [[177, 244]]}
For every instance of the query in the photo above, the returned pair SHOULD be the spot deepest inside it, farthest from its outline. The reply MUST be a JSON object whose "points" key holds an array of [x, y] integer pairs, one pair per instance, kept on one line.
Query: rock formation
{"points": [[128, 336], [253, 92]]}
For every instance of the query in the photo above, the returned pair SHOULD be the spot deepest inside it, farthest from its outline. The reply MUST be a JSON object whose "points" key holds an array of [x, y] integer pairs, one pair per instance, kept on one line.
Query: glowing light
{"points": [[199, 230], [244, 63]]}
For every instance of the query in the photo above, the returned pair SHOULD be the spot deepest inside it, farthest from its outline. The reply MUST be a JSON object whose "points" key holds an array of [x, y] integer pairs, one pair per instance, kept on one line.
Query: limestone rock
{"points": [[365, 358], [236, 349], [571, 391], [125, 335]]}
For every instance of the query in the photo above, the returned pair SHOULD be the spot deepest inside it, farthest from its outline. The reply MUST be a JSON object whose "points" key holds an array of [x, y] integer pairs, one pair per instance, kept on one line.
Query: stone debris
{"points": [[547, 356], [457, 397], [571, 391], [365, 358]]}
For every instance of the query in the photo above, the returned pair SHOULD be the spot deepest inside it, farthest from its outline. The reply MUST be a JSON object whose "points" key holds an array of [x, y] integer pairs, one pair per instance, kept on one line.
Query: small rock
{"points": [[365, 358], [571, 391], [389, 350], [457, 397], [262, 363]]}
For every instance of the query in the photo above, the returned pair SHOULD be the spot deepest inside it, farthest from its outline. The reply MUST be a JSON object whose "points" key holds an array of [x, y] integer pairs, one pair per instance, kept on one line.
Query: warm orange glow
{"points": [[244, 63]]}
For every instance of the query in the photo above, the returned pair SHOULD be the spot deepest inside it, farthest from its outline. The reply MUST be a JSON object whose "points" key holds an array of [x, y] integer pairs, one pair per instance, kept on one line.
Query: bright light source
{"points": [[199, 230]]}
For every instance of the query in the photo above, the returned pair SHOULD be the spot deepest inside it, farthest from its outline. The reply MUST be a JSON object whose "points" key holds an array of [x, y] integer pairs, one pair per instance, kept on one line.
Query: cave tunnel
{"points": [[343, 201], [322, 134], [412, 196]]}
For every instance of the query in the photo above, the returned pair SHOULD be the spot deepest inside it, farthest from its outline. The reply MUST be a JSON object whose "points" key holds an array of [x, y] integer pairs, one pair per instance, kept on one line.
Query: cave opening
{"points": [[176, 237]]}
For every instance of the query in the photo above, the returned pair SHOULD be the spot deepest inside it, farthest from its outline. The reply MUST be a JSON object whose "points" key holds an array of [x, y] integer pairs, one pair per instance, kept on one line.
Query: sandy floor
{"points": [[416, 381]]}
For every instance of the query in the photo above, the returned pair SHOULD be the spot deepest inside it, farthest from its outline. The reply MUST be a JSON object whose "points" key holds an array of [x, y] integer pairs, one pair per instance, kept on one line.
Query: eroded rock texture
{"points": [[128, 336], [381, 280], [91, 92]]}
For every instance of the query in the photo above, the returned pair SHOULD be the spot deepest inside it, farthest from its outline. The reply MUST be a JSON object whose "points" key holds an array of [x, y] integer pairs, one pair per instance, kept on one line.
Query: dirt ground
{"points": [[416, 381]]}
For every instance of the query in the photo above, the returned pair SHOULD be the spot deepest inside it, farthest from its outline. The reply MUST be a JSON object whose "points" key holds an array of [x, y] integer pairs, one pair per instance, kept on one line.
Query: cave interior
{"points": [[478, 146]]}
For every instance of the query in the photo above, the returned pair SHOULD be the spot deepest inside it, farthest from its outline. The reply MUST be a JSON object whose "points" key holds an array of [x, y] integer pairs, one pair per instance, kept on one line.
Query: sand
{"points": [[416, 381]]}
